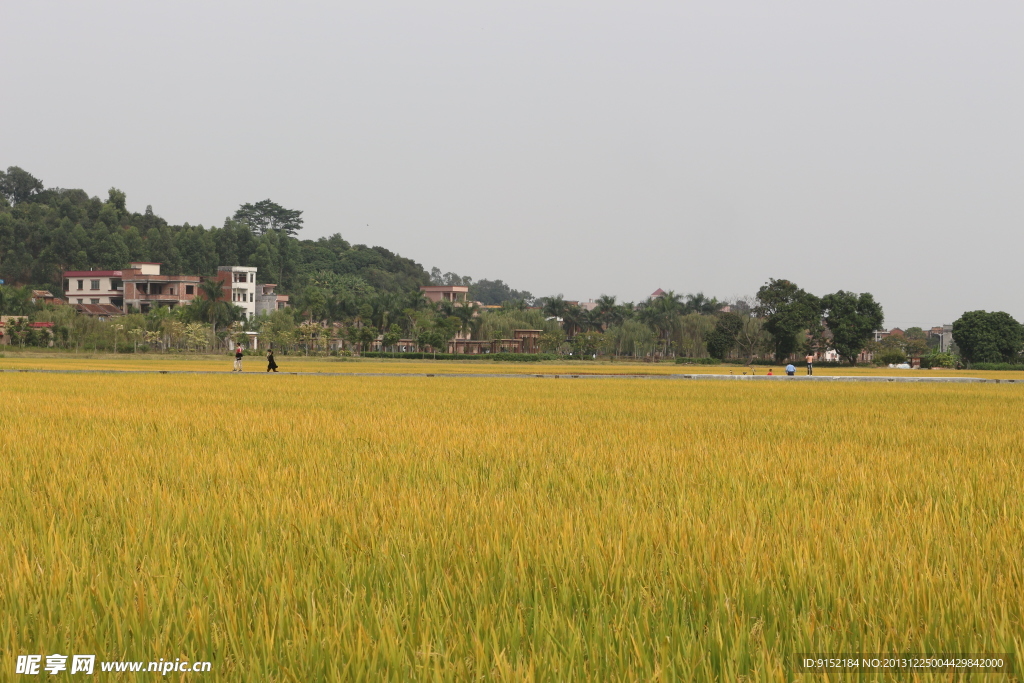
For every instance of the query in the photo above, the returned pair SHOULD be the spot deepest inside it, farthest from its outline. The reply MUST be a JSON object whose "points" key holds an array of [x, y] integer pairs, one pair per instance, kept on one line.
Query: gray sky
{"points": [[575, 147]]}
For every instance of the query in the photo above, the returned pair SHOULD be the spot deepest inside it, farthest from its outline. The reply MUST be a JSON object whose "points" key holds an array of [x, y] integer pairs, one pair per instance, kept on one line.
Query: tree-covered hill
{"points": [[44, 231]]}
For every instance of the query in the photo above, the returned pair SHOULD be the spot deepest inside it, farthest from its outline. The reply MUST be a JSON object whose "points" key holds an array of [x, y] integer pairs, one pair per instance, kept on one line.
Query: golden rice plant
{"points": [[303, 528]]}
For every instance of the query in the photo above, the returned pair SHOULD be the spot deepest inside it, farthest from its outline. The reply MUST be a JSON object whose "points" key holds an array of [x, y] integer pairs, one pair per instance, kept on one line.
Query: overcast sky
{"points": [[582, 148]]}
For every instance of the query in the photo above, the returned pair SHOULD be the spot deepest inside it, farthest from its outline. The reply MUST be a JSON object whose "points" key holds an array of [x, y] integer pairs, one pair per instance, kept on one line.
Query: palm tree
{"points": [[554, 307], [212, 306], [446, 308], [606, 310], [662, 315], [575, 320], [698, 303], [466, 312], [513, 305]]}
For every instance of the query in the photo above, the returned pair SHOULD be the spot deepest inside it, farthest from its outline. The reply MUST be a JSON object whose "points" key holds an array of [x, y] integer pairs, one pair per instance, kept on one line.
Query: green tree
{"points": [[587, 344], [723, 338], [662, 315], [267, 216], [788, 311], [211, 307], [549, 342], [554, 306], [118, 200], [391, 336], [18, 185], [437, 335], [630, 338], [608, 312], [468, 314], [496, 292], [984, 337], [698, 303], [852, 320], [313, 303], [752, 340], [15, 300], [197, 336]]}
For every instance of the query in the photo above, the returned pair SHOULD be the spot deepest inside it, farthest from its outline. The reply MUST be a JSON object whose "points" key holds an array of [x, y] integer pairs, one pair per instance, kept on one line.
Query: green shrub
{"points": [[997, 366], [938, 360]]}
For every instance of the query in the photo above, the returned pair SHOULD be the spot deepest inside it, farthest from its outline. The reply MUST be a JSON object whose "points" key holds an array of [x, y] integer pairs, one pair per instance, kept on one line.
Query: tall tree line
{"points": [[44, 231]]}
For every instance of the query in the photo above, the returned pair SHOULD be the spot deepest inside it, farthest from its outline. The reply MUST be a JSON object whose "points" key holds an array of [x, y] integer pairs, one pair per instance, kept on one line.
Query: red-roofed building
{"points": [[7, 322], [658, 293]]}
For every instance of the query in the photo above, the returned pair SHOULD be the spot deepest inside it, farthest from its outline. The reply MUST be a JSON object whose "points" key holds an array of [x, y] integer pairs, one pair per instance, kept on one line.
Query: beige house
{"points": [[453, 293]]}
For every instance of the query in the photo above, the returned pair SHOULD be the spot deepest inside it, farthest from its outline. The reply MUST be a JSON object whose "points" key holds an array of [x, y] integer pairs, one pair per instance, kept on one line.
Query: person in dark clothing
{"points": [[238, 359], [271, 365]]}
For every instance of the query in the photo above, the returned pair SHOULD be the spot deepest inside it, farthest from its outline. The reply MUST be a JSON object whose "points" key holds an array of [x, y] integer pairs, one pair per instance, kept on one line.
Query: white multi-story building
{"points": [[239, 286], [97, 287]]}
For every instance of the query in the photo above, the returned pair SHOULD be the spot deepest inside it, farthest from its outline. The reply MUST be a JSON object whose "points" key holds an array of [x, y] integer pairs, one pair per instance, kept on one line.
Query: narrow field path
{"points": [[759, 378]]}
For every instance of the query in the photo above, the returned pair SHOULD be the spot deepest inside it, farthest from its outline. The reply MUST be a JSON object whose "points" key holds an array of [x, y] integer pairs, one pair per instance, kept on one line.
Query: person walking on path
{"points": [[238, 359], [810, 363], [790, 370], [271, 365]]}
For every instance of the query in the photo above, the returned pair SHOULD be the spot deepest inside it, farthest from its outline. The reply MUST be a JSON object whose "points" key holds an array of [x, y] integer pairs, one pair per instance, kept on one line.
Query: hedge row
{"points": [[996, 366]]}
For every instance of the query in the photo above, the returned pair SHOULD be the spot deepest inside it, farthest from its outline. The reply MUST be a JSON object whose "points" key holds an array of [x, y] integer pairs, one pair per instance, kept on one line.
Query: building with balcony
{"points": [[140, 287], [96, 287], [239, 286], [146, 289], [268, 300], [438, 293]]}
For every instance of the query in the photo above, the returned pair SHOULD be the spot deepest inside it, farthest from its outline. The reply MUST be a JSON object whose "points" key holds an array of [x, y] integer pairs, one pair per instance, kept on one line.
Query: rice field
{"points": [[312, 364], [324, 528]]}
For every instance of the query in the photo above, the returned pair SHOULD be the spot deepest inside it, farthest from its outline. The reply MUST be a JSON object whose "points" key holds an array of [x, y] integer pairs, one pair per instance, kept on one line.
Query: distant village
{"points": [[141, 288]]}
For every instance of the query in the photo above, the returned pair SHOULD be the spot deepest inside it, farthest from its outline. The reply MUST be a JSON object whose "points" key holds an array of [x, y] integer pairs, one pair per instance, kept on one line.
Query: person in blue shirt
{"points": [[790, 370]]}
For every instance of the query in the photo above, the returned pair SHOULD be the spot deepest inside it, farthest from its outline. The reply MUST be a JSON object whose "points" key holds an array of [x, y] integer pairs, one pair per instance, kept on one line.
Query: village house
{"points": [[439, 293], [239, 286], [96, 287], [145, 288], [268, 300], [7, 322], [42, 296], [101, 312], [140, 286], [523, 341]]}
